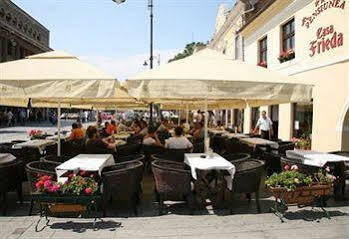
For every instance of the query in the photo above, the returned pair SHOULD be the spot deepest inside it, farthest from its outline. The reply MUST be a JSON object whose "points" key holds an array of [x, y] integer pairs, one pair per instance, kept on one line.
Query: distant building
{"points": [[20, 34]]}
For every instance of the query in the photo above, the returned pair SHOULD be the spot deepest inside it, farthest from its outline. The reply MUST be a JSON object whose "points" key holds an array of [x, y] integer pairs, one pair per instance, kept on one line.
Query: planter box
{"points": [[68, 203], [302, 195]]}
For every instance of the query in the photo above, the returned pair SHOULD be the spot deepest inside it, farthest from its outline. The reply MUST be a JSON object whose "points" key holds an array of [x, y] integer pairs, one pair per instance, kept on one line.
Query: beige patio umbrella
{"points": [[212, 76], [54, 79]]}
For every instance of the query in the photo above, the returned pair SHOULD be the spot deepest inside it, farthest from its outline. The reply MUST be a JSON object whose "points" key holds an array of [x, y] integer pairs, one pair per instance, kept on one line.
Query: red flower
{"points": [[88, 190], [82, 173], [286, 167]]}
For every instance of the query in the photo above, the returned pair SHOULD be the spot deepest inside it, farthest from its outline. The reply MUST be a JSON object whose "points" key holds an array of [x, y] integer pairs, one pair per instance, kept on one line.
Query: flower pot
{"points": [[302, 195]]}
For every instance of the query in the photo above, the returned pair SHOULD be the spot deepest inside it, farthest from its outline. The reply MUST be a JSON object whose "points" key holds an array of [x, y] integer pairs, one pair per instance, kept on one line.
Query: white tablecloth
{"points": [[321, 159], [86, 162], [6, 158], [55, 137], [235, 135], [258, 141], [37, 143], [314, 158], [216, 162]]}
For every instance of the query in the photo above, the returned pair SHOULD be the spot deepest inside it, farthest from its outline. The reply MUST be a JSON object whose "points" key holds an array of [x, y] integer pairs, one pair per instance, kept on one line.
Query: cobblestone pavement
{"points": [[300, 223]]}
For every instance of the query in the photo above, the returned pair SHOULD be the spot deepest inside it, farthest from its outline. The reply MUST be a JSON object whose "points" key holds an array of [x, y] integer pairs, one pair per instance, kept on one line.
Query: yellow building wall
{"points": [[326, 70]]}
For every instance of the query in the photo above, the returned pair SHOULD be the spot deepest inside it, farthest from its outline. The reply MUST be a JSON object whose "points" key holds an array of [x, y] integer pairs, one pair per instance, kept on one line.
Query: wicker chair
{"points": [[55, 158], [272, 162], [199, 147], [128, 149], [123, 179], [35, 168], [346, 167], [232, 146], [284, 146], [233, 157], [218, 143], [248, 177], [171, 179], [132, 157], [10, 180], [148, 150], [303, 168], [176, 155]]}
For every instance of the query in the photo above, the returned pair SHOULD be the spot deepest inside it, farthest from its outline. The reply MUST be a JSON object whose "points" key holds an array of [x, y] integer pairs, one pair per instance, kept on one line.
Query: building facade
{"points": [[20, 34], [306, 40]]}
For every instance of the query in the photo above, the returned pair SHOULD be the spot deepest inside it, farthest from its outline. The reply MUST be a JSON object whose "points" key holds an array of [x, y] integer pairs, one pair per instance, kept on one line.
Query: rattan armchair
{"points": [[247, 178], [123, 179], [10, 180], [34, 169], [171, 180]]}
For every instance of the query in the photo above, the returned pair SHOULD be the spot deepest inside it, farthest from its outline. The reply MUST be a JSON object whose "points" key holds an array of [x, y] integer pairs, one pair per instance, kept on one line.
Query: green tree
{"points": [[188, 51]]}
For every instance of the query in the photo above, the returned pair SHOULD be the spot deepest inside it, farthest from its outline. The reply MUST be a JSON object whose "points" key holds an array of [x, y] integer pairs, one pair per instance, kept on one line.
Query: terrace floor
{"points": [[178, 223]]}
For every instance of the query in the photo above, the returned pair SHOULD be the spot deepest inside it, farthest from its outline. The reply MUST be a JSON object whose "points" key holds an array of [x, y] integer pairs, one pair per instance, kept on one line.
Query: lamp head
{"points": [[119, 1]]}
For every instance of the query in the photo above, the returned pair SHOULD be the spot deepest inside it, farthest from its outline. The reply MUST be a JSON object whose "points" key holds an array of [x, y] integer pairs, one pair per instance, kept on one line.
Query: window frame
{"points": [[263, 49], [285, 37]]}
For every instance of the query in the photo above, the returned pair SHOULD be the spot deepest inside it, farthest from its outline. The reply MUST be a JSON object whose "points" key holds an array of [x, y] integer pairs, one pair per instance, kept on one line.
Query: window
{"points": [[288, 40], [303, 119], [255, 115], [263, 52]]}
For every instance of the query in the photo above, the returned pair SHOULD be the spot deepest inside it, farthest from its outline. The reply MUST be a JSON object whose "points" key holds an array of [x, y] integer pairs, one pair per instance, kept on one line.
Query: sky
{"points": [[116, 37]]}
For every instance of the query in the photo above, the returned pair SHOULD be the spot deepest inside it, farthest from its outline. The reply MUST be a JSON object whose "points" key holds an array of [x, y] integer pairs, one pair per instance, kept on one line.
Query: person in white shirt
{"points": [[151, 138], [265, 125], [178, 141]]}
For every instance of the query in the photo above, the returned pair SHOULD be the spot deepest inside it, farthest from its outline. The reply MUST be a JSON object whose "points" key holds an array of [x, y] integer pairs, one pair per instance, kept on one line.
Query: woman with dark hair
{"points": [[96, 145], [179, 141], [151, 138], [76, 132]]}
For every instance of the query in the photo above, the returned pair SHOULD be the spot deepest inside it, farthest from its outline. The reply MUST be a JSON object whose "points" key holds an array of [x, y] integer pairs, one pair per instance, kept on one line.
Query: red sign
{"points": [[320, 7], [326, 39]]}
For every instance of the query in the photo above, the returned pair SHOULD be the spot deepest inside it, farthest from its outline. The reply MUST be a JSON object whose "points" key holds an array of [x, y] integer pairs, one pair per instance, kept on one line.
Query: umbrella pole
{"points": [[207, 142], [179, 117], [187, 116], [59, 129]]}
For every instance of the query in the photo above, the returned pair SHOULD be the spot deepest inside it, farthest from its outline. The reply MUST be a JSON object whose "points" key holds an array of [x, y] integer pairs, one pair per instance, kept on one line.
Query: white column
{"points": [[59, 129], [226, 118], [231, 117], [247, 120]]}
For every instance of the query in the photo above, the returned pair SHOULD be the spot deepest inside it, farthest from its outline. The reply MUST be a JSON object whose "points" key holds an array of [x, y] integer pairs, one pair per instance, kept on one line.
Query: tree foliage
{"points": [[188, 51]]}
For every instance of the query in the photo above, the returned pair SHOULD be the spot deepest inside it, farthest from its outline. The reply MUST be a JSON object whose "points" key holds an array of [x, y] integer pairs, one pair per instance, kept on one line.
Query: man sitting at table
{"points": [[76, 133], [111, 129], [103, 132], [96, 145], [265, 125], [152, 138], [179, 141]]}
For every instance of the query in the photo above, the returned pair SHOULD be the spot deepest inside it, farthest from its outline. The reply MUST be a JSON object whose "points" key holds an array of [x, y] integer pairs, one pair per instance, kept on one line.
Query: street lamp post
{"points": [[151, 58]]}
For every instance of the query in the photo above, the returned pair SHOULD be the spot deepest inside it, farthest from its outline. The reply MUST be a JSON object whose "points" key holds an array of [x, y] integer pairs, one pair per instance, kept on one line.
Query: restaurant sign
{"points": [[320, 7], [326, 39]]}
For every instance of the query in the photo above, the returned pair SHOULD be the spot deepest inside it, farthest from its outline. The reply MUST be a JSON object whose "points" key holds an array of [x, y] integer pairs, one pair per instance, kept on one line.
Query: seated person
{"points": [[144, 127], [220, 126], [76, 132], [178, 141], [185, 126], [151, 138], [96, 145], [104, 132], [111, 128], [198, 132], [121, 126]]}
